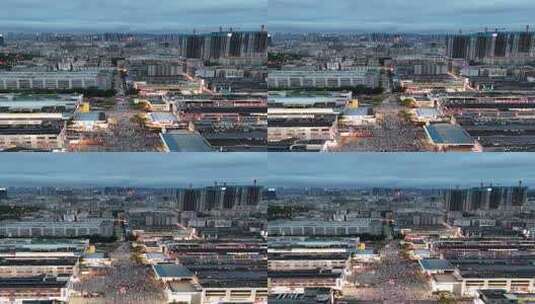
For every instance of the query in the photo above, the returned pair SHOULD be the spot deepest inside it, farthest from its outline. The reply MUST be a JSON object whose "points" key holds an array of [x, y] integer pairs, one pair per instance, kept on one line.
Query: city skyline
{"points": [[279, 15]]}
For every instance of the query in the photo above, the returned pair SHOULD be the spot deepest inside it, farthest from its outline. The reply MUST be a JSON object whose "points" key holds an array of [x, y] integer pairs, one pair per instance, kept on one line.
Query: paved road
{"points": [[393, 280], [392, 133], [127, 282], [124, 134]]}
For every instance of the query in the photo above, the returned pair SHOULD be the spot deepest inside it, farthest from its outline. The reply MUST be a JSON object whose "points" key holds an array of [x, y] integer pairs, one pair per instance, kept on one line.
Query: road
{"points": [[392, 133], [127, 282], [124, 133], [393, 280]]}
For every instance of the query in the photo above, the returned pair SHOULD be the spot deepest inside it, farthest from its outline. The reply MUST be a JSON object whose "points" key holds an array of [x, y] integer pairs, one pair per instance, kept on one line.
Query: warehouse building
{"points": [[20, 81]]}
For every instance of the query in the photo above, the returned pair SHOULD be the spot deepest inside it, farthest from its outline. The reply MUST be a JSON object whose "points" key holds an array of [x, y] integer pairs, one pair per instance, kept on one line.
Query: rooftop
{"points": [[51, 75], [427, 112], [444, 278], [183, 286], [496, 271], [306, 100], [232, 278], [185, 141], [32, 282], [90, 116], [172, 271], [449, 134], [436, 264], [62, 261], [360, 111], [48, 129], [162, 116], [305, 274], [323, 73]]}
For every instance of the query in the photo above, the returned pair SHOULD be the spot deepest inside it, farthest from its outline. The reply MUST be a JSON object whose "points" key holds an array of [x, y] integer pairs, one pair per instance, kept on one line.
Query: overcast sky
{"points": [[129, 169], [130, 15], [275, 169], [398, 15], [280, 15], [400, 169]]}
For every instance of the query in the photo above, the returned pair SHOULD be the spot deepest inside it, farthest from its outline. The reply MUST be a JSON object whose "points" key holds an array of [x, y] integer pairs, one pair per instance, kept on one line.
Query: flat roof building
{"points": [[449, 136], [47, 136], [38, 247], [89, 121], [361, 226], [184, 141], [38, 288], [323, 79], [21, 81], [37, 228], [171, 272]]}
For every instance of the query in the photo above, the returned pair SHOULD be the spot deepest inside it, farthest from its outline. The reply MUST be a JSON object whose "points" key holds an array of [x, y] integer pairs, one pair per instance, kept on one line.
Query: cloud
{"points": [[399, 169], [274, 169], [128, 169], [132, 15], [299, 15], [398, 15]]}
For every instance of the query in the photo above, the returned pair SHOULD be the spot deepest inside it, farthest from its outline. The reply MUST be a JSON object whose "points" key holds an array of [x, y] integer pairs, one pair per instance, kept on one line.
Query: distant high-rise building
{"points": [[3, 193], [218, 197], [492, 46], [455, 199], [270, 194], [485, 198], [2, 42], [458, 47], [224, 44]]}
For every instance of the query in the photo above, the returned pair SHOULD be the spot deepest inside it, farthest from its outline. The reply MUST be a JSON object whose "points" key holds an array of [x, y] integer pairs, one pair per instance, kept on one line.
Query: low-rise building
{"points": [[446, 136], [162, 120], [20, 81], [39, 228], [38, 288], [47, 136], [361, 226], [89, 121], [184, 141], [25, 267], [323, 79]]}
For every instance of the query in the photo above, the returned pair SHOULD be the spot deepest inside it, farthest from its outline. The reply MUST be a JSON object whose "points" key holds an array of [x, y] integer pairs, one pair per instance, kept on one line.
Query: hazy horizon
{"points": [[162, 16], [401, 170]]}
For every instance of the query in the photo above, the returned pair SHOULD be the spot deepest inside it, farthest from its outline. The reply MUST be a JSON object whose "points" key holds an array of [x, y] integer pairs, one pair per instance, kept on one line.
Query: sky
{"points": [[405, 170], [131, 15], [279, 15], [129, 169], [399, 15], [424, 170]]}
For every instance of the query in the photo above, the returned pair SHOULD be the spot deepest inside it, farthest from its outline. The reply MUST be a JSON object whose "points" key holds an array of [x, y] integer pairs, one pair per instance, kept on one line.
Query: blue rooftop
{"points": [[444, 133], [436, 264], [172, 271], [90, 116], [361, 111], [426, 112], [162, 116], [185, 141]]}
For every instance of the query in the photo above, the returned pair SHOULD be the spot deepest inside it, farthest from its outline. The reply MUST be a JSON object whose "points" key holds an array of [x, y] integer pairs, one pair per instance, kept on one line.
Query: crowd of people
{"points": [[125, 282]]}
